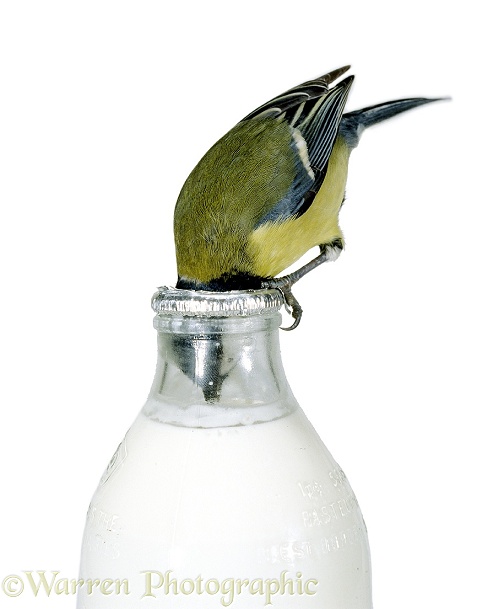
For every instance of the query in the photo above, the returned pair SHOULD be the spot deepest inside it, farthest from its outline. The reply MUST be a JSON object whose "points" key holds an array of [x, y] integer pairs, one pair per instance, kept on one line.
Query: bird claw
{"points": [[283, 285], [293, 307]]}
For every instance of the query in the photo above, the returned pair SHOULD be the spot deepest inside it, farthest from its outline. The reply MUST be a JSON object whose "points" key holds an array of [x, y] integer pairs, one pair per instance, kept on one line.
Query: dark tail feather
{"points": [[353, 123]]}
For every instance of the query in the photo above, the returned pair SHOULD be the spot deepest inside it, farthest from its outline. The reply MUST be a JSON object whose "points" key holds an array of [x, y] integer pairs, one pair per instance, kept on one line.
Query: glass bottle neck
{"points": [[219, 371]]}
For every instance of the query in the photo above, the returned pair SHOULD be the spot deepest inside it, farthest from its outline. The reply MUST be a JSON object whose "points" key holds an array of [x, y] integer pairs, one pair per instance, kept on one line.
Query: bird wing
{"points": [[312, 111], [295, 97]]}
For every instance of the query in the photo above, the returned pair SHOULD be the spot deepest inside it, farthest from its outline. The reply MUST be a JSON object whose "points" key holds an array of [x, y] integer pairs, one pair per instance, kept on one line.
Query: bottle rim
{"points": [[174, 301]]}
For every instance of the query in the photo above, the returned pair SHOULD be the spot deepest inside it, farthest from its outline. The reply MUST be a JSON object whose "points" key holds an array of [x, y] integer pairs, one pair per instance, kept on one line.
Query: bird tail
{"points": [[353, 123]]}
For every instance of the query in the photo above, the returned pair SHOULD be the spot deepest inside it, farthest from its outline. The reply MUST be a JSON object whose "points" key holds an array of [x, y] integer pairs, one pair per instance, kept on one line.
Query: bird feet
{"points": [[284, 284]]}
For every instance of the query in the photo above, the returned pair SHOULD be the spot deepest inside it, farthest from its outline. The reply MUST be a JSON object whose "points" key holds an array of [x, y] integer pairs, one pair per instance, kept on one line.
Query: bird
{"points": [[272, 188]]}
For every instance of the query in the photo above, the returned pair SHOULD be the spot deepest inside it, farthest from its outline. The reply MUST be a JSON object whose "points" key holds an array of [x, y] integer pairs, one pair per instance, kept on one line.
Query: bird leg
{"points": [[285, 283]]}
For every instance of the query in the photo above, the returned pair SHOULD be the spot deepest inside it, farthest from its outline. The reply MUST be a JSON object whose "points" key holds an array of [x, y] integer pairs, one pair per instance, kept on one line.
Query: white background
{"points": [[105, 107]]}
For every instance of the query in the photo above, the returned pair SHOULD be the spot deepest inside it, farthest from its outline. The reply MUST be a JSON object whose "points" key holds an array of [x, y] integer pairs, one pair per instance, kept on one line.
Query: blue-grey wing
{"points": [[313, 112], [292, 100]]}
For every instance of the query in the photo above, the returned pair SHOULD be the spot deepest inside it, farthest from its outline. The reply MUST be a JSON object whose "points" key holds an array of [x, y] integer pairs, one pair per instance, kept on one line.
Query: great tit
{"points": [[271, 189]]}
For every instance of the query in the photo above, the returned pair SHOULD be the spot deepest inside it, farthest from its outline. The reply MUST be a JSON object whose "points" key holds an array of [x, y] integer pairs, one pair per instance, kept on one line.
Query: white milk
{"points": [[246, 517]]}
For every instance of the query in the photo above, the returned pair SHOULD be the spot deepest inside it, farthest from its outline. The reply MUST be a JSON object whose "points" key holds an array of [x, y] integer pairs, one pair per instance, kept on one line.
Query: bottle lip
{"points": [[174, 301]]}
